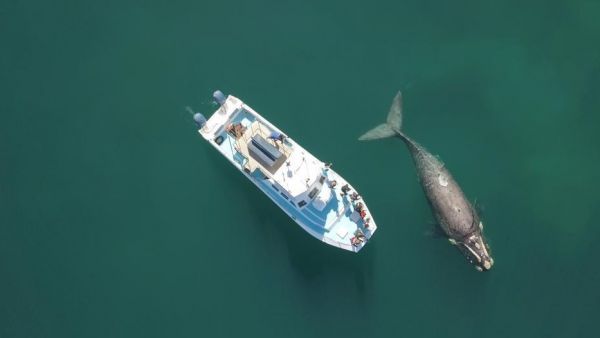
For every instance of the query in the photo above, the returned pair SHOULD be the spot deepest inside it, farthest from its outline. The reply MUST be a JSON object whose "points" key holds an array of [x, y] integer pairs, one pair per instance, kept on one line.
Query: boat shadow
{"points": [[314, 264], [318, 265]]}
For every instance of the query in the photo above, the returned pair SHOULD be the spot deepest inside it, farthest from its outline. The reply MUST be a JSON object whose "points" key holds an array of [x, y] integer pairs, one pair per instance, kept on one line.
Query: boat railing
{"points": [[349, 247]]}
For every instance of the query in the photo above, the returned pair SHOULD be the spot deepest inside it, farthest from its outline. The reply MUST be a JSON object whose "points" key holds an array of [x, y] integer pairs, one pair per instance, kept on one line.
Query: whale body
{"points": [[452, 210]]}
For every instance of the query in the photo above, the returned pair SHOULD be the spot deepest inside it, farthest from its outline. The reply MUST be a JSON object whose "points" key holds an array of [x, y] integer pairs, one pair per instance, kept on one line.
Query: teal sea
{"points": [[118, 220]]}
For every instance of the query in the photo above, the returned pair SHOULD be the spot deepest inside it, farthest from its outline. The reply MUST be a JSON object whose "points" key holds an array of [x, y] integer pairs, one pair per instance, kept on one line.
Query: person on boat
{"points": [[363, 213], [332, 184], [345, 189], [235, 129], [354, 196], [358, 207], [358, 238], [325, 169], [277, 136], [360, 235]]}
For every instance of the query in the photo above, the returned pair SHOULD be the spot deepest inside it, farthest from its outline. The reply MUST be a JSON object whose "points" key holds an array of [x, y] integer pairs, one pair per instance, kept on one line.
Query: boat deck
{"points": [[336, 223]]}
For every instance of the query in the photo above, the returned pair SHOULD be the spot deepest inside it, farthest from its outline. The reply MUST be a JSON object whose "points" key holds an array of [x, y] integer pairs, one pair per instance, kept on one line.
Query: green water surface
{"points": [[118, 220]]}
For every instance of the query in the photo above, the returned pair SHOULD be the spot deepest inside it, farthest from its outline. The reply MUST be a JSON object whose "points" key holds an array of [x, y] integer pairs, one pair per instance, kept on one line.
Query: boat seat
{"points": [[266, 148], [265, 154], [259, 155]]}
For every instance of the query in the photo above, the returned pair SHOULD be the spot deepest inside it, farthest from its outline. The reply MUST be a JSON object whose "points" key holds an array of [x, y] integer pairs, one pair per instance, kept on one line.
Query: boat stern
{"points": [[229, 106]]}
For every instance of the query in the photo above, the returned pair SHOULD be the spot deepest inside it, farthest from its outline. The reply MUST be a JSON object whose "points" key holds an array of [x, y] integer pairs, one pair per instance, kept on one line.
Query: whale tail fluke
{"points": [[381, 131], [393, 124]]}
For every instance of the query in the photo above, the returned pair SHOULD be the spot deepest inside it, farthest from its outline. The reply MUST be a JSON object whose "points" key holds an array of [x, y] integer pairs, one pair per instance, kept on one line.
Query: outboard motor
{"points": [[219, 97], [200, 120]]}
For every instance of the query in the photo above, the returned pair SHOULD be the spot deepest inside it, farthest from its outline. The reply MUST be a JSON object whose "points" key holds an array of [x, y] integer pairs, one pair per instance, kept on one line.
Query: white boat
{"points": [[309, 191]]}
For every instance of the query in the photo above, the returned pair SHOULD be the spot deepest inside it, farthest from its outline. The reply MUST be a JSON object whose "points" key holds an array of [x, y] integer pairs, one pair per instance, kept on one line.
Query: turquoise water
{"points": [[117, 220]]}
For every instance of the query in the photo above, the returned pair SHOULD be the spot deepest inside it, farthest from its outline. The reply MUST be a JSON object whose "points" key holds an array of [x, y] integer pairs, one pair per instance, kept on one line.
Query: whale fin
{"points": [[381, 131], [394, 118], [393, 124]]}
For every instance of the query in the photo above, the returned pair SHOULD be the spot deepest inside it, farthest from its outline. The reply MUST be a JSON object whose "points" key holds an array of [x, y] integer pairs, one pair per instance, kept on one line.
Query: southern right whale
{"points": [[453, 212]]}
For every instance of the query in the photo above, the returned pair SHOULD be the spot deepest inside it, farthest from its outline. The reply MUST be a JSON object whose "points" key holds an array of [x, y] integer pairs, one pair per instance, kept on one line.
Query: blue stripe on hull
{"points": [[317, 229]]}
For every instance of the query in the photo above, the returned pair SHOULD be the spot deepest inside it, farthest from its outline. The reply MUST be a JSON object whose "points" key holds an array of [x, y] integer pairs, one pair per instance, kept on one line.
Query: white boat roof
{"points": [[299, 172]]}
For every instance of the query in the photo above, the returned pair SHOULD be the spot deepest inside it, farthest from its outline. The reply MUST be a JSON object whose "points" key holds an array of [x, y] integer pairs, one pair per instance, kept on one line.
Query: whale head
{"points": [[477, 251]]}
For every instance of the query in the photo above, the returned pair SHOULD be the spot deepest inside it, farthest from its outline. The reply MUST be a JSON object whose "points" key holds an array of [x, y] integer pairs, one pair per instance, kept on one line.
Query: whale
{"points": [[453, 212]]}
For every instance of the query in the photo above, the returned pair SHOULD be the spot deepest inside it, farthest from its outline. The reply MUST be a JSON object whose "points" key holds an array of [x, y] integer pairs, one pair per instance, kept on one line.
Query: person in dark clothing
{"points": [[332, 184], [276, 136], [345, 189], [358, 207]]}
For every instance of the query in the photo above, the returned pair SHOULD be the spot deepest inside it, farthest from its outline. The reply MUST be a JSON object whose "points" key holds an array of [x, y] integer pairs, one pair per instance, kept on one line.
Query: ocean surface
{"points": [[118, 220]]}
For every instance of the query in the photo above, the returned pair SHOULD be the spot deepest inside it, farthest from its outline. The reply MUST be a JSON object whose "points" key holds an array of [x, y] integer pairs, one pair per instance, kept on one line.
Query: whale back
{"points": [[454, 213]]}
